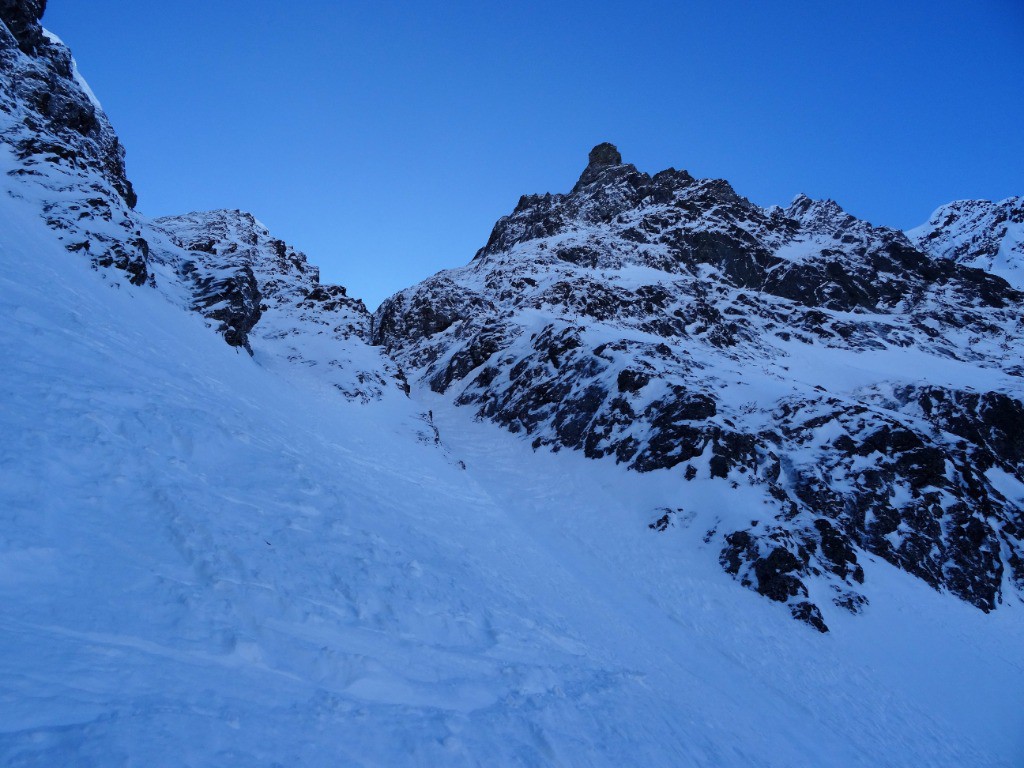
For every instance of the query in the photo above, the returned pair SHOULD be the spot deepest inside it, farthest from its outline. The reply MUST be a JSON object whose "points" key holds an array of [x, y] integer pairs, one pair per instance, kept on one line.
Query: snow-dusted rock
{"points": [[254, 285], [62, 145], [664, 322], [669, 323], [212, 559], [978, 233]]}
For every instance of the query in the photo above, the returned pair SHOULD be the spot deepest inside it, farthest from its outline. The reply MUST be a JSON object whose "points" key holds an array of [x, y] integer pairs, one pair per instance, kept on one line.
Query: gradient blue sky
{"points": [[384, 138]]}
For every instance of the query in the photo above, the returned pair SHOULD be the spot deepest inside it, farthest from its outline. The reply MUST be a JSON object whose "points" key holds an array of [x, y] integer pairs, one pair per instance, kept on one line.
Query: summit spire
{"points": [[604, 154]]}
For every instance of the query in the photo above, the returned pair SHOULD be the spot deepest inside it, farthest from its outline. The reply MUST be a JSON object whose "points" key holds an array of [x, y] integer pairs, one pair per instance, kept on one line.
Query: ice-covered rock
{"points": [[253, 285]]}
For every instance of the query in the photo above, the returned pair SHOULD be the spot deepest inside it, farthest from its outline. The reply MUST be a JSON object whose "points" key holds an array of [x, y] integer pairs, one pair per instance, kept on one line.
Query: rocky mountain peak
{"points": [[669, 324], [604, 153], [603, 157], [978, 233], [821, 216]]}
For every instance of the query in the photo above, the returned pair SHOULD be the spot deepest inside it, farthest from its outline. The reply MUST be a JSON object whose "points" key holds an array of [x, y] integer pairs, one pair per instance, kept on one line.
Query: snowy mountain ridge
{"points": [[978, 233], [222, 264], [859, 386], [506, 518]]}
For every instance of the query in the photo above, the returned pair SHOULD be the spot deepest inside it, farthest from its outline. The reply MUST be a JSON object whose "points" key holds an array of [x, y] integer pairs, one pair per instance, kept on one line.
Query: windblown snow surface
{"points": [[206, 561]]}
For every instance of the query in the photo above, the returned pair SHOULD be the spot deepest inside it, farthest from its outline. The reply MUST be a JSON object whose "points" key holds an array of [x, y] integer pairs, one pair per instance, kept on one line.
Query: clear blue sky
{"points": [[385, 138]]}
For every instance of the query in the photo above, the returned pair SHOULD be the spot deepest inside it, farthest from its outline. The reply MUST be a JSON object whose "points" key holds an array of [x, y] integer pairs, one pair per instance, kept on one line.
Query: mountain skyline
{"points": [[449, 115]]}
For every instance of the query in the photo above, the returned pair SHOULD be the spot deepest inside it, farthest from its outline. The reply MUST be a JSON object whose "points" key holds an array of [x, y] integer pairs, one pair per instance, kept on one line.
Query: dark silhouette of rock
{"points": [[604, 154], [22, 19]]}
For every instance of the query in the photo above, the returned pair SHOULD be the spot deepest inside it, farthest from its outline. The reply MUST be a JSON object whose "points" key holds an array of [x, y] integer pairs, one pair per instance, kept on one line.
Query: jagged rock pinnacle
{"points": [[604, 154]]}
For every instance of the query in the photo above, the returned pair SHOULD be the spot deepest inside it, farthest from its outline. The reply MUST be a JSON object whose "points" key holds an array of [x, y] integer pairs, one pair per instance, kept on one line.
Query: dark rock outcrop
{"points": [[22, 18]]}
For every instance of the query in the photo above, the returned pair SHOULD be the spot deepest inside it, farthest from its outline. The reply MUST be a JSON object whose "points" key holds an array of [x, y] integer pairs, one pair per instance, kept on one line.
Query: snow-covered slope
{"points": [[203, 563], [212, 558], [978, 233], [857, 394]]}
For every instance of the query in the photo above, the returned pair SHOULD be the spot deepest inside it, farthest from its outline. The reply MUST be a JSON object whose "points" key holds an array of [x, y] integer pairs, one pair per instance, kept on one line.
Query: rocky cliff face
{"points": [[63, 147], [256, 288], [864, 391], [978, 233], [21, 17]]}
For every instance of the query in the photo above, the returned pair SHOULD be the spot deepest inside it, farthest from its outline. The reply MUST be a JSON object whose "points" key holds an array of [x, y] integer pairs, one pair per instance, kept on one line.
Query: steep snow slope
{"points": [[867, 395], [205, 563], [978, 233]]}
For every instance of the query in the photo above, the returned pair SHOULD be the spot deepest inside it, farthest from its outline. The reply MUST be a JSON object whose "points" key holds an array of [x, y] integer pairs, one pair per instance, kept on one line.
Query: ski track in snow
{"points": [[205, 563]]}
